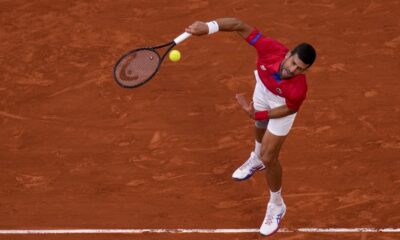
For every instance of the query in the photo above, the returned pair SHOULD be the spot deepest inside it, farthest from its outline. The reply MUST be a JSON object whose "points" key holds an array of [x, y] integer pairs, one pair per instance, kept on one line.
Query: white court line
{"points": [[244, 230]]}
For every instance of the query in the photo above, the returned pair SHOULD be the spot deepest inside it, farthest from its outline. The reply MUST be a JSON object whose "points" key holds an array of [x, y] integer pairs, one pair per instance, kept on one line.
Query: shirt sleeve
{"points": [[298, 93], [294, 104], [265, 46]]}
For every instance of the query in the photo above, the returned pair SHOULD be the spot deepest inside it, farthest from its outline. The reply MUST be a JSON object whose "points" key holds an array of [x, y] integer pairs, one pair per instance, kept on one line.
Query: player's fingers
{"points": [[243, 103], [239, 97], [198, 23], [251, 104], [197, 28], [188, 30], [241, 100], [191, 30]]}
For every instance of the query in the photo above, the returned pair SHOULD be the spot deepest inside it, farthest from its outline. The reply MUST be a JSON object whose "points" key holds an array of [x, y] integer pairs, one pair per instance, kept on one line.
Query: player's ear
{"points": [[288, 55]]}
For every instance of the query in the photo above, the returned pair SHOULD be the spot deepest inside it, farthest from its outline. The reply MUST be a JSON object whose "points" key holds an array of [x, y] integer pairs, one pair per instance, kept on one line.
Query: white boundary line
{"points": [[244, 230]]}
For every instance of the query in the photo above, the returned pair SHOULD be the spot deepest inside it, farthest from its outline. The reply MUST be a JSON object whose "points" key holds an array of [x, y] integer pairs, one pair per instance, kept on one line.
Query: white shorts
{"points": [[264, 100]]}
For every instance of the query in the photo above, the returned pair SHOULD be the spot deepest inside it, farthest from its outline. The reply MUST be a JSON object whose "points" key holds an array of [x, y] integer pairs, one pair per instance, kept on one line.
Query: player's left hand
{"points": [[247, 107], [251, 111]]}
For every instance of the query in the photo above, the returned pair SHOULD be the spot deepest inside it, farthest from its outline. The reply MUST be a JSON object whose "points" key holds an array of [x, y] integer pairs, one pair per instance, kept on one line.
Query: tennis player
{"points": [[280, 90]]}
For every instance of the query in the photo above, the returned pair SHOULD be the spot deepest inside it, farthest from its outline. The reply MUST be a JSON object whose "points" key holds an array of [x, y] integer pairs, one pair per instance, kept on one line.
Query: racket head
{"points": [[137, 67]]}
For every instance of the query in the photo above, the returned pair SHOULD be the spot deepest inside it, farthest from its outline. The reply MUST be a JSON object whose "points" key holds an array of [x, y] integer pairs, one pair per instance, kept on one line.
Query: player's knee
{"points": [[269, 157]]}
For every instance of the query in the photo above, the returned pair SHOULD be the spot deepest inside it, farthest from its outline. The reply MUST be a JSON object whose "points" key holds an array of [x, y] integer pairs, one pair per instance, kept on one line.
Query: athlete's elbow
{"points": [[232, 24], [239, 24], [290, 111]]}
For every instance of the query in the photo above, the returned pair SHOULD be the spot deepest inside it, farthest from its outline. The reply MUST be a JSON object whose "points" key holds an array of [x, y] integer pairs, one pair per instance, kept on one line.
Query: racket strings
{"points": [[137, 67]]}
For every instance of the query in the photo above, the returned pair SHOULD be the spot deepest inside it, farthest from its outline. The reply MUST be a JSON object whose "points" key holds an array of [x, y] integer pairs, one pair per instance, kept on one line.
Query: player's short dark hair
{"points": [[306, 53]]}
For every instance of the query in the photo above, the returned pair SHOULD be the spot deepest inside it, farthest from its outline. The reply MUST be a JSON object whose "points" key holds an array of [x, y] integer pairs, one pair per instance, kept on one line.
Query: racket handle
{"points": [[182, 37]]}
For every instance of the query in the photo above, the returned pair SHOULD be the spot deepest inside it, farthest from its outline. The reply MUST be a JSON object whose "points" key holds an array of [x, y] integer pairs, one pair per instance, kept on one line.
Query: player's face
{"points": [[292, 66]]}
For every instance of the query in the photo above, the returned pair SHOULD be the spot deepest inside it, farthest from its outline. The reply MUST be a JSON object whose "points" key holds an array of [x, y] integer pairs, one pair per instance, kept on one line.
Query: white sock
{"points": [[257, 149], [276, 197]]}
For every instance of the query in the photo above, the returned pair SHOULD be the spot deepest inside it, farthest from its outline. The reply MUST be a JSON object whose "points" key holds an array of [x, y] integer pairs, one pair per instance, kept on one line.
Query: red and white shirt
{"points": [[271, 53]]}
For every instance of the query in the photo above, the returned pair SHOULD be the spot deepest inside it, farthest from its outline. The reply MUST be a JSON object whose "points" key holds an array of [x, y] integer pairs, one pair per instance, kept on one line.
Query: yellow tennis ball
{"points": [[174, 55]]}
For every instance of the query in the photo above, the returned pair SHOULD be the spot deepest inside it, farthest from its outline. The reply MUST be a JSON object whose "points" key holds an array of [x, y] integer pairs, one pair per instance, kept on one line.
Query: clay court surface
{"points": [[79, 152]]}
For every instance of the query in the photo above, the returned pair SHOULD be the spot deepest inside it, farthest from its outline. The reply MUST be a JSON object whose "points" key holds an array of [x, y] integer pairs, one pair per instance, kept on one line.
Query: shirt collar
{"points": [[275, 68]]}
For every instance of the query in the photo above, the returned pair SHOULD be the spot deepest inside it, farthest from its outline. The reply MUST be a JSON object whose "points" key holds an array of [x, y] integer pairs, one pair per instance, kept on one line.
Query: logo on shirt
{"points": [[263, 68], [277, 77], [279, 90]]}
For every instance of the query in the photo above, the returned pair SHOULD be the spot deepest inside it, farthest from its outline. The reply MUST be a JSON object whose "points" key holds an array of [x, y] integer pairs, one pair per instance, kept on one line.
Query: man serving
{"points": [[279, 92]]}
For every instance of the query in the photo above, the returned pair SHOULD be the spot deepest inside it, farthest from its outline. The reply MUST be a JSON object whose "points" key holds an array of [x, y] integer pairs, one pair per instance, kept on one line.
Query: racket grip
{"points": [[182, 37]]}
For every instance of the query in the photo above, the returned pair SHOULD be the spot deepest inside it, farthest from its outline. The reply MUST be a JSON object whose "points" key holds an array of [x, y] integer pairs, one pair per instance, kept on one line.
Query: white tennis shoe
{"points": [[274, 215], [248, 168]]}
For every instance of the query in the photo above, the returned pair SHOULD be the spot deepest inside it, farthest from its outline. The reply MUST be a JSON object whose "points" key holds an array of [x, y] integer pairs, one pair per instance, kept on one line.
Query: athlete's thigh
{"points": [[271, 145], [281, 126]]}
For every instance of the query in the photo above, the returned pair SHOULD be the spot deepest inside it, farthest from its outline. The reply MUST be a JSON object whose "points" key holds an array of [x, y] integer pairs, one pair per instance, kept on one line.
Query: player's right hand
{"points": [[197, 28]]}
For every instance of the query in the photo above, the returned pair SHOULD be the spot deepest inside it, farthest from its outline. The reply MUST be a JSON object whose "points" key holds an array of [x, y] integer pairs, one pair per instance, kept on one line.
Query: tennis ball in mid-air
{"points": [[174, 55]]}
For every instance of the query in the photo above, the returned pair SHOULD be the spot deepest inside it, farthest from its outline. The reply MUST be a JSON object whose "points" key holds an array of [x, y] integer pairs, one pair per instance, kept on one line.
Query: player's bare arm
{"points": [[225, 24], [278, 112]]}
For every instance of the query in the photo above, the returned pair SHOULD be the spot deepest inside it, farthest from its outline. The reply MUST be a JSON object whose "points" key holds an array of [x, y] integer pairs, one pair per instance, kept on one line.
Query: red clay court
{"points": [[79, 152]]}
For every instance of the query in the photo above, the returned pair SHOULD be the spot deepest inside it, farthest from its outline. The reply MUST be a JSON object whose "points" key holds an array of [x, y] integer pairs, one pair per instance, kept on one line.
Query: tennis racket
{"points": [[138, 66]]}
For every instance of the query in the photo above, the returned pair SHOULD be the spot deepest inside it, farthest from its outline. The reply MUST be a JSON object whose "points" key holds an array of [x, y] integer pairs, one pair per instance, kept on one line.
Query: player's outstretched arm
{"points": [[224, 24]]}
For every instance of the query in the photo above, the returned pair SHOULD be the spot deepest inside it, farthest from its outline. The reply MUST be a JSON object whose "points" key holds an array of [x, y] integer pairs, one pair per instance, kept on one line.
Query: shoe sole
{"points": [[267, 235], [249, 176]]}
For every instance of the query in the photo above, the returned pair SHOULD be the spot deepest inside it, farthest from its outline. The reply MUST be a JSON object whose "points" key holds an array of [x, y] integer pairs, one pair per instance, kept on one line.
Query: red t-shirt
{"points": [[270, 55]]}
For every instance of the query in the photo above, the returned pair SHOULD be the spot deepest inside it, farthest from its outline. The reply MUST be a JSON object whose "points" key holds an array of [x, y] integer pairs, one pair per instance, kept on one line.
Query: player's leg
{"points": [[271, 146], [272, 143], [259, 132], [253, 163], [276, 208]]}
